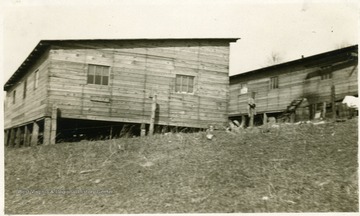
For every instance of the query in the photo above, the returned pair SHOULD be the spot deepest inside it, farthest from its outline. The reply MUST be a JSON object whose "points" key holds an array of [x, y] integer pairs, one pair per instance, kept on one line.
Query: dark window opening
{"points": [[326, 76], [184, 83], [98, 74], [36, 79], [25, 86], [274, 82], [14, 96]]}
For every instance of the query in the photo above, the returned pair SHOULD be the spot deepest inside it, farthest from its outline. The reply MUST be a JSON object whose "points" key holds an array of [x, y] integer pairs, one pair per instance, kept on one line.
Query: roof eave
{"points": [[350, 49], [43, 44], [38, 50]]}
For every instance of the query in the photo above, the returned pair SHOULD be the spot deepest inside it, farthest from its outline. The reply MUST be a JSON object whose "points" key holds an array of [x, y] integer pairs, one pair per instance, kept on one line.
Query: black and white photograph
{"points": [[179, 107]]}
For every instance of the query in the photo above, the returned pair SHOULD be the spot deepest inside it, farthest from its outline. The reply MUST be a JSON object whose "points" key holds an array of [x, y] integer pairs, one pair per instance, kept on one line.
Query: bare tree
{"points": [[343, 44], [274, 58]]}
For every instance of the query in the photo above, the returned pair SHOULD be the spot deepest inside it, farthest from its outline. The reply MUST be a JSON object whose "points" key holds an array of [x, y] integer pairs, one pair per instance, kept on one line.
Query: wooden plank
{"points": [[103, 118], [17, 137], [35, 134], [12, 137], [28, 116], [6, 137], [142, 130], [265, 119], [153, 112], [54, 115], [47, 131], [26, 136]]}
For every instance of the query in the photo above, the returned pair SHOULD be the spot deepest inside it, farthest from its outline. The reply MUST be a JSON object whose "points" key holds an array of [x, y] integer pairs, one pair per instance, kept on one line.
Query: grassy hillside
{"points": [[295, 168]]}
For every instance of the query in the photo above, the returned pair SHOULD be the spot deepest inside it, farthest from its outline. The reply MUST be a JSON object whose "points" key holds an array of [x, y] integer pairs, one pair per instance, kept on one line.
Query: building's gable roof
{"points": [[347, 52], [43, 45]]}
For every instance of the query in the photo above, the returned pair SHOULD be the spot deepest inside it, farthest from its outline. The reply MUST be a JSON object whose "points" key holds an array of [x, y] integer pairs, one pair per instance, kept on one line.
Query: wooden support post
{"points": [[243, 120], [6, 137], [130, 131], [346, 110], [292, 117], [164, 129], [333, 107], [341, 110], [251, 122], [29, 135], [35, 134], [12, 137], [315, 110], [142, 130], [153, 112], [265, 119], [17, 137], [26, 135], [111, 131], [124, 132], [47, 131], [324, 111], [53, 126]]}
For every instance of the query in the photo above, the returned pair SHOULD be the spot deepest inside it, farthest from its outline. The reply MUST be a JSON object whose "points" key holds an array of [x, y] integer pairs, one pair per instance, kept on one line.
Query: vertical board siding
{"points": [[138, 70], [34, 105]]}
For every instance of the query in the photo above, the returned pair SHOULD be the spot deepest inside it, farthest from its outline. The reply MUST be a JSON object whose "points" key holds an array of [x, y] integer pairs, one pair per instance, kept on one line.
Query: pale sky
{"points": [[287, 28]]}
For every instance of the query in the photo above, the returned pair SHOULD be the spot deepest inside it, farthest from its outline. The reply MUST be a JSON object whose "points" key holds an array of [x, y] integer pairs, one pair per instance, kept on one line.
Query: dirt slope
{"points": [[295, 168]]}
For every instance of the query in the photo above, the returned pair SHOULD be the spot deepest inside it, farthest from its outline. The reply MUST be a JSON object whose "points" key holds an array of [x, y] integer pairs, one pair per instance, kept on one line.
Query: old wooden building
{"points": [[72, 84], [300, 88]]}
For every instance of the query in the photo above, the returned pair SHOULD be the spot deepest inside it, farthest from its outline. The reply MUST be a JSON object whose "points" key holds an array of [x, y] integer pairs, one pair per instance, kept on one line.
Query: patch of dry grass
{"points": [[296, 168]]}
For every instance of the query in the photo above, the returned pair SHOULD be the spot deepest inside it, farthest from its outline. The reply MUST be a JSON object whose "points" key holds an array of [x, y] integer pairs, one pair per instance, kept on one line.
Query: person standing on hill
{"points": [[251, 106], [251, 109]]}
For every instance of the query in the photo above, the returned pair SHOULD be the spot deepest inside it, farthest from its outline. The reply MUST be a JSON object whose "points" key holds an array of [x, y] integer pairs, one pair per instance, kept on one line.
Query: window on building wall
{"points": [[326, 72], [184, 83], [243, 88], [14, 96], [98, 74], [36, 79], [326, 76], [274, 82], [25, 87]]}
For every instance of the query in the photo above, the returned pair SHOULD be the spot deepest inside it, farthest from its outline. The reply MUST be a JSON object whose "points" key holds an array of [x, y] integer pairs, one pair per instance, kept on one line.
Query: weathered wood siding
{"points": [[267, 100], [292, 85], [345, 81], [34, 105], [138, 70]]}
